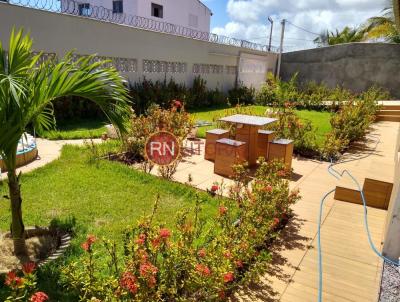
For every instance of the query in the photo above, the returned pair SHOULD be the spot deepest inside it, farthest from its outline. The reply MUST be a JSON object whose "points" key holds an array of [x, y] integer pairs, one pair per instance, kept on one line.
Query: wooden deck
{"points": [[351, 271]]}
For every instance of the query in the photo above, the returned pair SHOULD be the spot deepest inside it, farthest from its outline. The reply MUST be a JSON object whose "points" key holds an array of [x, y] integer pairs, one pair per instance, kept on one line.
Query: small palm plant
{"points": [[27, 90]]}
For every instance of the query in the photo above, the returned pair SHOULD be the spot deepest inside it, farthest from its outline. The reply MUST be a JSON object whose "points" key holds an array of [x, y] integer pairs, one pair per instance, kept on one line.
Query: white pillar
{"points": [[391, 247]]}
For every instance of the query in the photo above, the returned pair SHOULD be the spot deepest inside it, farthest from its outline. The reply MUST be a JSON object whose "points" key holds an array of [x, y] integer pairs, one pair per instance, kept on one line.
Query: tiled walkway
{"points": [[351, 269]]}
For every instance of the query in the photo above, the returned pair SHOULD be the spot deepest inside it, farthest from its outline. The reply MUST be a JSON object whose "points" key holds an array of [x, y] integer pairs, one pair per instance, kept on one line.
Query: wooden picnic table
{"points": [[247, 127]]}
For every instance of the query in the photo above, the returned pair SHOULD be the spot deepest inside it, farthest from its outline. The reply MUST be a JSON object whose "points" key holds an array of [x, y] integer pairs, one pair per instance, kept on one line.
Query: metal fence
{"points": [[72, 7]]}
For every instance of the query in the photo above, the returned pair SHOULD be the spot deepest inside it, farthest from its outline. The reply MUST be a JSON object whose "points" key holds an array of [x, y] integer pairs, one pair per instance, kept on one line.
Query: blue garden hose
{"points": [[339, 175]]}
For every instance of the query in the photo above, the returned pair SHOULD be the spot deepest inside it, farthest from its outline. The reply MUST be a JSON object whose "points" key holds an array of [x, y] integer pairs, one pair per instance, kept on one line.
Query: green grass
{"points": [[103, 198], [77, 129], [319, 119]]}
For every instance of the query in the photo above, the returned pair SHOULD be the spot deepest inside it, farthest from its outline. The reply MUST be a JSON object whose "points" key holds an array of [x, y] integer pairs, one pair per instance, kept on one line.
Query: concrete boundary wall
{"points": [[356, 66], [154, 55]]}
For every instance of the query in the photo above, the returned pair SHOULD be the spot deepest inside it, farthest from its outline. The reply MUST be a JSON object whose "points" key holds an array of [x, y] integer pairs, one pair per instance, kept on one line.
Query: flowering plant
{"points": [[22, 285], [197, 260], [175, 120]]}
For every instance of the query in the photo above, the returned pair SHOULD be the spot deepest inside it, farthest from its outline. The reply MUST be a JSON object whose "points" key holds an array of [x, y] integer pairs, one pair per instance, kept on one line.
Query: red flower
{"points": [[89, 242], [128, 282], [203, 270], [229, 277], [12, 280], [239, 263], [276, 222], [221, 294], [147, 269], [39, 297], [155, 243], [28, 268], [222, 210], [177, 104], [281, 173], [267, 189], [214, 188], [228, 255], [141, 239], [165, 233], [202, 253]]}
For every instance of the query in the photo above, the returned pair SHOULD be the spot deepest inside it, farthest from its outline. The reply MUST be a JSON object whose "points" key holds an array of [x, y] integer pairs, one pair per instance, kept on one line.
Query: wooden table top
{"points": [[251, 120]]}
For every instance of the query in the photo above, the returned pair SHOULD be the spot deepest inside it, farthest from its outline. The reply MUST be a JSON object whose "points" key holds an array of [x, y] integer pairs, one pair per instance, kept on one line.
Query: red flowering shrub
{"points": [[177, 122], [39, 297], [22, 285], [193, 262]]}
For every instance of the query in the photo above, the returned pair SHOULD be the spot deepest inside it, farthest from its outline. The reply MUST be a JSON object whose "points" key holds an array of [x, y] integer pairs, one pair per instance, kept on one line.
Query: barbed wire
{"points": [[101, 13]]}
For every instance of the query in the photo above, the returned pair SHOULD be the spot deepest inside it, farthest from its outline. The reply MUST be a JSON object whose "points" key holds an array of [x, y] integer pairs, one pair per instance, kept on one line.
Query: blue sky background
{"points": [[247, 19]]}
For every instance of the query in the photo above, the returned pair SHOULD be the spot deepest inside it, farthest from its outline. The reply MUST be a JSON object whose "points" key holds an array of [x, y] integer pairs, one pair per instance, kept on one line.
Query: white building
{"points": [[191, 14]]}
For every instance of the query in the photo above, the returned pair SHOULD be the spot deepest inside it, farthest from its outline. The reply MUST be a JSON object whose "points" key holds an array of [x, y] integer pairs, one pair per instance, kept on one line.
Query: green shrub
{"points": [[352, 121], [199, 260], [241, 94], [174, 120], [290, 126]]}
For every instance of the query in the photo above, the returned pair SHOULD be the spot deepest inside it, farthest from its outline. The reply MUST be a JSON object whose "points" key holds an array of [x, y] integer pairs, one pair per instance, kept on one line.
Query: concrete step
{"points": [[388, 118], [389, 112]]}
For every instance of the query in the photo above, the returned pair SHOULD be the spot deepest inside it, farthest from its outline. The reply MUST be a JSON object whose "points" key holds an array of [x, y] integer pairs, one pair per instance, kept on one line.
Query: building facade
{"points": [[192, 14]]}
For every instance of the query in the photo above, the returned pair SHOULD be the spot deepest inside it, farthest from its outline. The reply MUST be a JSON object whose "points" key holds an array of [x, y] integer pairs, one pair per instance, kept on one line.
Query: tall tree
{"points": [[384, 26], [347, 35], [27, 90]]}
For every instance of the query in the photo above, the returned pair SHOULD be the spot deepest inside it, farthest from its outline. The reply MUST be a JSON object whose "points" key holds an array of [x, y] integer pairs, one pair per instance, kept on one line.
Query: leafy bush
{"points": [[174, 120], [352, 121], [22, 285], [310, 95], [198, 261], [241, 94], [290, 126]]}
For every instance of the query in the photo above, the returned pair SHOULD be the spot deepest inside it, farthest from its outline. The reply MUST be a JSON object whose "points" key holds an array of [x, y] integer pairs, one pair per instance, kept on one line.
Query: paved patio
{"points": [[351, 270]]}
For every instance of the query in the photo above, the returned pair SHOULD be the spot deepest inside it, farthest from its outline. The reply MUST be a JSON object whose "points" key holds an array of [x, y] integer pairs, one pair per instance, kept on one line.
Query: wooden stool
{"points": [[211, 137], [264, 138], [228, 153], [281, 149]]}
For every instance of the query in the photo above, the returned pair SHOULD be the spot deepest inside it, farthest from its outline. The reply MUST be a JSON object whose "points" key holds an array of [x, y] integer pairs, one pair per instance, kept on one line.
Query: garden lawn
{"points": [[77, 129], [103, 198], [319, 119]]}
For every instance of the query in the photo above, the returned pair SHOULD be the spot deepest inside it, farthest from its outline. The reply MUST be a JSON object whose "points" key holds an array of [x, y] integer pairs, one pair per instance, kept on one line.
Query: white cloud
{"points": [[249, 18]]}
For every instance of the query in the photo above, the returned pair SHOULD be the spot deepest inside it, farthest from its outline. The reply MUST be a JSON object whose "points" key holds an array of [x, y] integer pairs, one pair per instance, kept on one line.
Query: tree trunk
{"points": [[17, 225]]}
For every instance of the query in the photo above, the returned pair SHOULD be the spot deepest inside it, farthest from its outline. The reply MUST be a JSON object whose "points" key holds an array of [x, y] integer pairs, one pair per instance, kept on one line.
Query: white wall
{"points": [[391, 246], [60, 33], [174, 11], [178, 11]]}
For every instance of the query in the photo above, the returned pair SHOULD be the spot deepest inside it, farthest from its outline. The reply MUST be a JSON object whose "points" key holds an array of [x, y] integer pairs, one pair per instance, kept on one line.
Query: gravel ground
{"points": [[390, 286]]}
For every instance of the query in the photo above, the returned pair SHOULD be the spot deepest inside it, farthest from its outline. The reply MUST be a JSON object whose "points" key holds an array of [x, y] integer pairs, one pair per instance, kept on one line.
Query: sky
{"points": [[247, 19]]}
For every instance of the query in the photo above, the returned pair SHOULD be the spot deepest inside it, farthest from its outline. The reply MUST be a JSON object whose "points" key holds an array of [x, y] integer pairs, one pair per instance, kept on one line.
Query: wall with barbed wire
{"points": [[136, 46], [355, 66]]}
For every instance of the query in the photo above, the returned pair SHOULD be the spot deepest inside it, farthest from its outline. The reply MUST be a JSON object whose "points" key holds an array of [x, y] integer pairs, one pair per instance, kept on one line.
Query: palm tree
{"points": [[384, 26], [396, 10], [347, 35], [27, 90]]}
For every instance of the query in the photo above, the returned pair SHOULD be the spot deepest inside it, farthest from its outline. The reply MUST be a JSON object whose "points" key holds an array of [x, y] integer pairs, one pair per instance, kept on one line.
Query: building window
{"points": [[118, 7], [84, 9], [193, 21], [156, 10]]}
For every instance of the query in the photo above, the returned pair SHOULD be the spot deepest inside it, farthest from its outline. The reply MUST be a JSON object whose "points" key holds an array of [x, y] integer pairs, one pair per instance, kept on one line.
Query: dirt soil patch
{"points": [[38, 248]]}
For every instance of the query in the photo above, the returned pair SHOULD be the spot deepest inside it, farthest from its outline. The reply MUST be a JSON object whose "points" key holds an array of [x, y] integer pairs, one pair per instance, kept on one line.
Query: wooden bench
{"points": [[281, 149], [211, 137], [228, 153], [265, 137]]}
